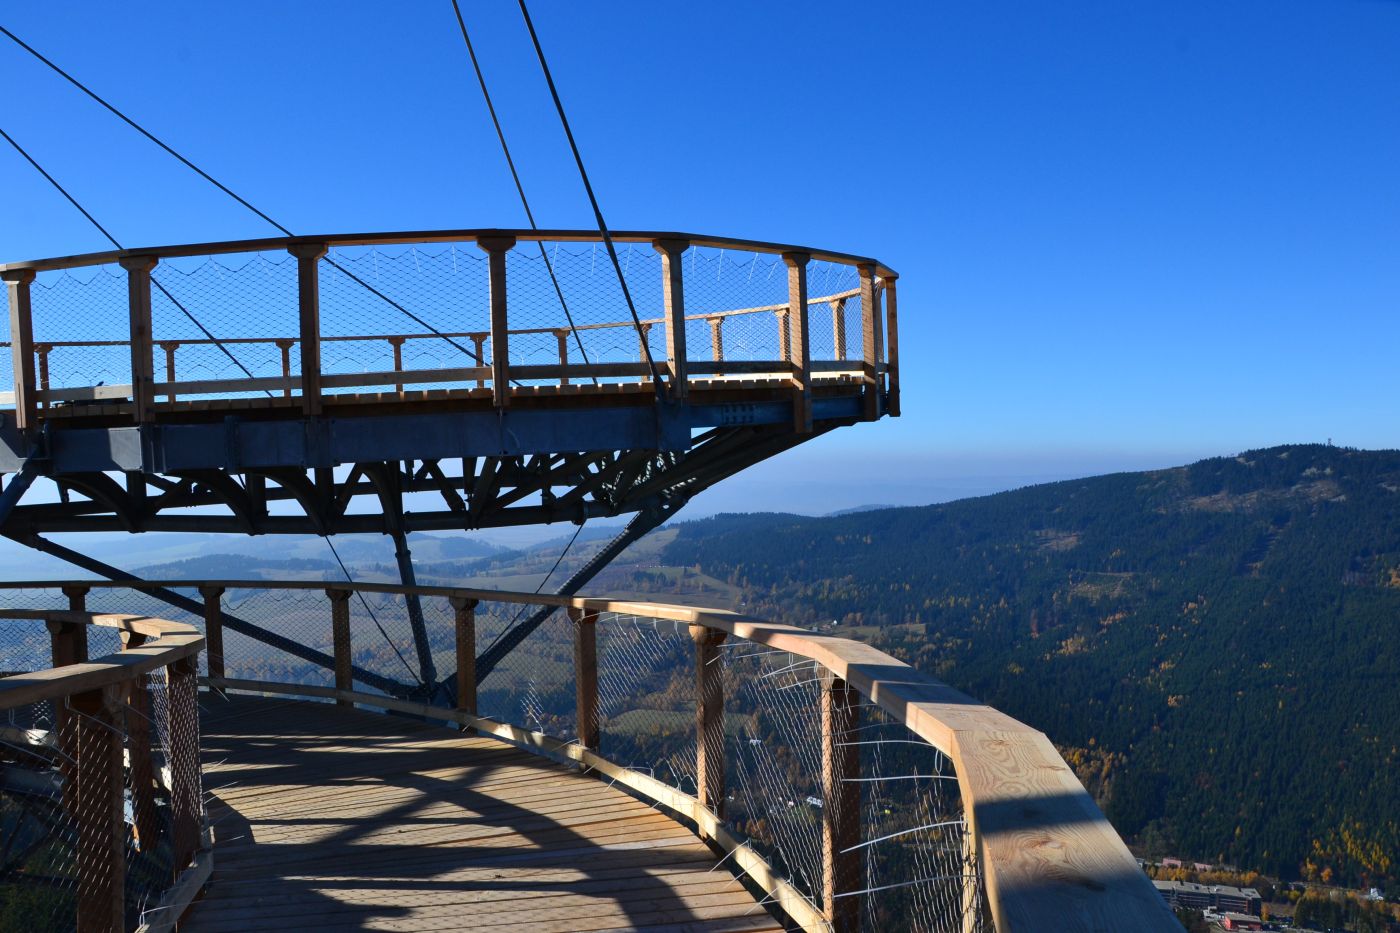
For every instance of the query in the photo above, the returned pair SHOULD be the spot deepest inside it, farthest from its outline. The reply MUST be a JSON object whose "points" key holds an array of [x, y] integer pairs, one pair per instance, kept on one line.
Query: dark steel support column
{"points": [[426, 669]]}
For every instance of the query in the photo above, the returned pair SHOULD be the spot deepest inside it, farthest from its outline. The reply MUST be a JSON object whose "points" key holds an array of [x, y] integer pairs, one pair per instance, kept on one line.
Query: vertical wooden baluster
{"points": [[213, 629], [77, 602], [397, 344], [496, 248], [800, 355], [43, 350], [838, 327], [870, 339], [716, 338], [285, 346], [182, 756], [69, 639], [784, 334], [308, 256], [673, 298], [68, 645], [340, 634], [17, 283], [563, 337], [643, 336], [93, 797], [842, 865], [586, 675], [892, 351], [138, 732], [170, 346], [479, 341], [709, 718], [464, 608], [138, 278]]}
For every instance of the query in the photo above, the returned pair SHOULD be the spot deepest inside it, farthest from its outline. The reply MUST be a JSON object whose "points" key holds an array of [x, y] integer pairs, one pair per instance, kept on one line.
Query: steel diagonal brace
{"points": [[389, 483], [643, 522], [17, 488], [231, 622]]}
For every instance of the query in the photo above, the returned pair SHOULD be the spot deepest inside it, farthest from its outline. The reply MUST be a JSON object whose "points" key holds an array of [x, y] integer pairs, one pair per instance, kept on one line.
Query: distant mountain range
{"points": [[1215, 647]]}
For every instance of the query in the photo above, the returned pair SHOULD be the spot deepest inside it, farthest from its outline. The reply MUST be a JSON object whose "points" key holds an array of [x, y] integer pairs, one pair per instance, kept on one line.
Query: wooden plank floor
{"points": [[327, 818]]}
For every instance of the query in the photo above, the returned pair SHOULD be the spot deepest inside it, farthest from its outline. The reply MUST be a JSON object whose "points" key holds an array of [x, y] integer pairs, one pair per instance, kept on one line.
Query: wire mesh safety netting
{"points": [[423, 310], [81, 327], [911, 868], [92, 822]]}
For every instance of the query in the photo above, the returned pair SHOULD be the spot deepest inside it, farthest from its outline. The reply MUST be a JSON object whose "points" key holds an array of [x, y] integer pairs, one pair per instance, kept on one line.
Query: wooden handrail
{"points": [[104, 736], [1046, 851], [411, 238]]}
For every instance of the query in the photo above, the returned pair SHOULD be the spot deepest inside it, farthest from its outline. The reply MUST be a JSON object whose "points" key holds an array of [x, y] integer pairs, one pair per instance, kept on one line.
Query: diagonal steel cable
{"points": [[515, 176], [592, 199], [103, 230]]}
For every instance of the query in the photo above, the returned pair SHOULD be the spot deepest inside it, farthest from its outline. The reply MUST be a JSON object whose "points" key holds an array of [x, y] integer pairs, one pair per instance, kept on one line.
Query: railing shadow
{"points": [[411, 828]]}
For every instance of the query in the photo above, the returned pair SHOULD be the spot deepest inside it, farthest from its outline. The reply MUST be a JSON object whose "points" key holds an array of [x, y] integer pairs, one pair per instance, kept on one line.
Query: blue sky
{"points": [[1129, 234]]}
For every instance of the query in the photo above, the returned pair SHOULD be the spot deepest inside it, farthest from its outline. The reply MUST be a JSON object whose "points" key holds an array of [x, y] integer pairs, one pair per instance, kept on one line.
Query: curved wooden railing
{"points": [[120, 729], [288, 322], [1038, 852]]}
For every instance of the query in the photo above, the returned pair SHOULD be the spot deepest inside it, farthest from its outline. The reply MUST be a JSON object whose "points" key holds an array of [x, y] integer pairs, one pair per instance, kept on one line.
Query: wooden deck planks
{"points": [[329, 818]]}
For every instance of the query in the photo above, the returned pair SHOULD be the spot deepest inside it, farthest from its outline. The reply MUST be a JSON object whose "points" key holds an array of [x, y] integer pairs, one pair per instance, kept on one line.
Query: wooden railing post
{"points": [[182, 756], [308, 256], [478, 344], [138, 732], [709, 718], [138, 291], [673, 297], [800, 352], [340, 635], [496, 248], [93, 798], [716, 338], [586, 675], [870, 339], [892, 350], [77, 601], [17, 283], [170, 346], [42, 351], [213, 629], [464, 608], [285, 345], [68, 641], [838, 327], [397, 344], [842, 864], [562, 336], [784, 334]]}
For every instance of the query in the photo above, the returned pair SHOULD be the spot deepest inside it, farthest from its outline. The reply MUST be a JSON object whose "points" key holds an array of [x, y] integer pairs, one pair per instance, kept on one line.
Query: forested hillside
{"points": [[1215, 646]]}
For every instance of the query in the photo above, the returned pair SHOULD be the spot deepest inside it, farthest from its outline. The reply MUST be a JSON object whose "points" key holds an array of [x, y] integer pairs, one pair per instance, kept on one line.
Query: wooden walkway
{"points": [[328, 818]]}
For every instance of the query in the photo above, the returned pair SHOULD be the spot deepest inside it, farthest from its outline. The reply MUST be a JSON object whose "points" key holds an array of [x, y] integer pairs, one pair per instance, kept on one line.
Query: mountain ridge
{"points": [[1180, 633]]}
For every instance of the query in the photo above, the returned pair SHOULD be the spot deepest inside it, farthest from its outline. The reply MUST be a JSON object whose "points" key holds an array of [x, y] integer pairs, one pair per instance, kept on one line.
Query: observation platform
{"points": [[332, 818], [503, 373]]}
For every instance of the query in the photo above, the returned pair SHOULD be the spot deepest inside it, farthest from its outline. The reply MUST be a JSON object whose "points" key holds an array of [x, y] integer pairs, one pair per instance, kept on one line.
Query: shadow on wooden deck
{"points": [[328, 818]]}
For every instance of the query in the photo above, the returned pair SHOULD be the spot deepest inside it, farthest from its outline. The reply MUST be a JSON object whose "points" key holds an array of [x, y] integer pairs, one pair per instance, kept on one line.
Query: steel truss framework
{"points": [[278, 477]]}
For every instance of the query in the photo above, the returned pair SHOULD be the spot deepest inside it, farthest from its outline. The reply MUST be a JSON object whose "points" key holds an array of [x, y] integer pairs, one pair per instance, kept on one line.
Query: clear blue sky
{"points": [[1129, 234]]}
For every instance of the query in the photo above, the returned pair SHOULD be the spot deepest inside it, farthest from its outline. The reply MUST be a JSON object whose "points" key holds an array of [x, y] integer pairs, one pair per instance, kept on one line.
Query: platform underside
{"points": [[271, 471], [328, 818]]}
